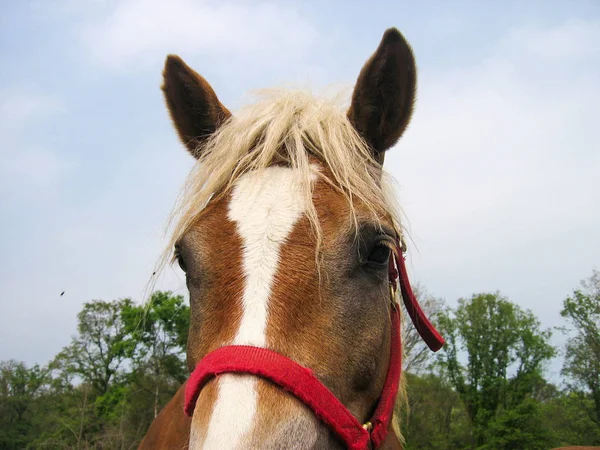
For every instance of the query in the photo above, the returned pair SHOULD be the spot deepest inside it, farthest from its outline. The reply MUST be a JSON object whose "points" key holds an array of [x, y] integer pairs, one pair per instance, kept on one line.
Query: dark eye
{"points": [[380, 254], [180, 260]]}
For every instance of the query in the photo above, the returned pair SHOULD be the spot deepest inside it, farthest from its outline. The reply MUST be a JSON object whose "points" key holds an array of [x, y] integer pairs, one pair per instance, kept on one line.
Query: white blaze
{"points": [[265, 206]]}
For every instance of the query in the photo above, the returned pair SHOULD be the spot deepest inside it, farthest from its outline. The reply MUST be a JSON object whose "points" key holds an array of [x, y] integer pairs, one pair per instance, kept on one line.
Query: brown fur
{"points": [[171, 429], [333, 318], [213, 238]]}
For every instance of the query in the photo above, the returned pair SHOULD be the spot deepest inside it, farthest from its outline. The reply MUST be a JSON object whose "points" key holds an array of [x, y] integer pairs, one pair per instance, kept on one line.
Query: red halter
{"points": [[302, 383]]}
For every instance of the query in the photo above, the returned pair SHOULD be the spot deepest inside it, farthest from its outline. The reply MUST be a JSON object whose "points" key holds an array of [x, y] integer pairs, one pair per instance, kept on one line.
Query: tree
{"points": [[518, 428], [566, 418], [582, 356], [100, 348], [499, 338], [20, 389], [158, 335], [124, 364], [435, 417], [417, 355]]}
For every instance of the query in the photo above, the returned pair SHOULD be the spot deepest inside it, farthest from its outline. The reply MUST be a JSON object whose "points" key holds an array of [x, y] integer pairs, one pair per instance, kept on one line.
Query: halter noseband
{"points": [[303, 384]]}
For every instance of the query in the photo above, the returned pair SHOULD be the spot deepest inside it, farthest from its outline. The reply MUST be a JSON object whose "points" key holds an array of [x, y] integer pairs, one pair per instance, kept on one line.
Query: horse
{"points": [[292, 247]]}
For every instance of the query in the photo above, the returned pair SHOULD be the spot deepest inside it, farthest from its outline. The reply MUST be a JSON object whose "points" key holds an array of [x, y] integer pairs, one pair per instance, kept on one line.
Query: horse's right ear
{"points": [[193, 105], [383, 98]]}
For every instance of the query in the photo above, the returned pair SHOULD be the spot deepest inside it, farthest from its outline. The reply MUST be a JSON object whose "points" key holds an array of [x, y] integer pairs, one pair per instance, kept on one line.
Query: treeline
{"points": [[105, 388], [485, 390]]}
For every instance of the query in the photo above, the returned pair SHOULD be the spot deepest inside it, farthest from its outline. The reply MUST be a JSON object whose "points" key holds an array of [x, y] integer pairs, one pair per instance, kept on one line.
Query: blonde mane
{"points": [[292, 128]]}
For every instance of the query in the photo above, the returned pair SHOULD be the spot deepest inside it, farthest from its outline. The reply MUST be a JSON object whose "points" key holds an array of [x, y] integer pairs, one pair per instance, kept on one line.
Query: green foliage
{"points": [[103, 389], [157, 337], [100, 348], [582, 357], [519, 428], [496, 336], [20, 389], [567, 418], [436, 417]]}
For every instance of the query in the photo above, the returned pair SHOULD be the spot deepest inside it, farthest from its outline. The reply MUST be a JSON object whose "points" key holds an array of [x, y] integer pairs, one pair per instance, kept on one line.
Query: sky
{"points": [[498, 173]]}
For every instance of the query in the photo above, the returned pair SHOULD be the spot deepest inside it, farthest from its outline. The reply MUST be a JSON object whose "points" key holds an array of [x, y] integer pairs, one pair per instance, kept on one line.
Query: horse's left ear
{"points": [[383, 98], [194, 107]]}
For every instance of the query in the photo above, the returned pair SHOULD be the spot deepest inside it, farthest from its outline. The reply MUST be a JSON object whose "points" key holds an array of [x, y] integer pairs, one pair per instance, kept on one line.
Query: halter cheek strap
{"points": [[304, 385], [424, 327]]}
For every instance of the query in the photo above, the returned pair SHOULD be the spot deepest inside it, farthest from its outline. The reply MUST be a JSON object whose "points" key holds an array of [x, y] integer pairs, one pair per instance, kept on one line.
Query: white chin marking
{"points": [[265, 207]]}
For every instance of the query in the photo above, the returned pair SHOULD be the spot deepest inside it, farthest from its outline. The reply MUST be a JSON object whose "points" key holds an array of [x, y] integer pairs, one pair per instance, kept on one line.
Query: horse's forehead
{"points": [[276, 193]]}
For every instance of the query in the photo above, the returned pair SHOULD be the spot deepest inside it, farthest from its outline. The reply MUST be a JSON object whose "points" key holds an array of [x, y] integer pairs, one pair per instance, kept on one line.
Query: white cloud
{"points": [[38, 165], [500, 172], [105, 248], [24, 160], [574, 39], [500, 127], [20, 104], [140, 32]]}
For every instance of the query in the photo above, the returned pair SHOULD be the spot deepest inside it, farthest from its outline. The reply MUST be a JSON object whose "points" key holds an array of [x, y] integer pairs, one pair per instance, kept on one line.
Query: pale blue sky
{"points": [[499, 172]]}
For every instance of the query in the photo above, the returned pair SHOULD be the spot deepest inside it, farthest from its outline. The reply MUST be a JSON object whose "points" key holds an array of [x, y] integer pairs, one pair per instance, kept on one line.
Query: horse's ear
{"points": [[194, 107], [382, 102]]}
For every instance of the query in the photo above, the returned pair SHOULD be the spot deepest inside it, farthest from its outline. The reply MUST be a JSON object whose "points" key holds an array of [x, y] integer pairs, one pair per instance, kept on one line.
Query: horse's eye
{"points": [[180, 260], [380, 254]]}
